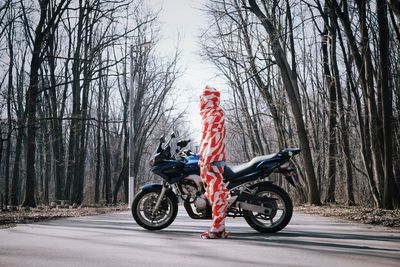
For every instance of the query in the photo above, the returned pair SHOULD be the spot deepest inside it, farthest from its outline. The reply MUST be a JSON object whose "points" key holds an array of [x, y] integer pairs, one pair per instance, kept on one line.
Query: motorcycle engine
{"points": [[192, 186]]}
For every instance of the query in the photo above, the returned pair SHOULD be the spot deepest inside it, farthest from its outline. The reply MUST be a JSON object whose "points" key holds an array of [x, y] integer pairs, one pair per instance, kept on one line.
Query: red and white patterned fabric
{"points": [[212, 155]]}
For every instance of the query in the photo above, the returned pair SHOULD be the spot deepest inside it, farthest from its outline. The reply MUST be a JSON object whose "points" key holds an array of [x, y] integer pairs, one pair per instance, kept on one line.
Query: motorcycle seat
{"points": [[232, 172]]}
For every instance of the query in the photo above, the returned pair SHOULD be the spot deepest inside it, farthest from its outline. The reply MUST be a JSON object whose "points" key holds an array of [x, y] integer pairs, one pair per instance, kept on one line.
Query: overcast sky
{"points": [[184, 20]]}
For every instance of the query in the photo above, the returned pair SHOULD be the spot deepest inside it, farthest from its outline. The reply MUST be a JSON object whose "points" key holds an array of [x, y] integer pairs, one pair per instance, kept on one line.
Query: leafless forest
{"points": [[320, 75], [66, 68]]}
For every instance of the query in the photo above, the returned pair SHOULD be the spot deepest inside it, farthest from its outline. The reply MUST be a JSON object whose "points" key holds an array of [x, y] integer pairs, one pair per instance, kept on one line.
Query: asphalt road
{"points": [[115, 240]]}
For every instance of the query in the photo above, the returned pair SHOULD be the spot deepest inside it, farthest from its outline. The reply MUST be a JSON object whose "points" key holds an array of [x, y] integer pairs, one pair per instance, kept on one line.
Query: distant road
{"points": [[115, 240]]}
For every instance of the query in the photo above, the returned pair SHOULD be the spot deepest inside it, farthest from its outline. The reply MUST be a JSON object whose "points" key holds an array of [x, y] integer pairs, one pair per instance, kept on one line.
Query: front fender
{"points": [[152, 187]]}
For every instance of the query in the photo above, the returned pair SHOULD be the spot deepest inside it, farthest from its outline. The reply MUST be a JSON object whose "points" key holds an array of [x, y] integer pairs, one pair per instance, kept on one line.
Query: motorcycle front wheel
{"points": [[281, 205], [143, 209]]}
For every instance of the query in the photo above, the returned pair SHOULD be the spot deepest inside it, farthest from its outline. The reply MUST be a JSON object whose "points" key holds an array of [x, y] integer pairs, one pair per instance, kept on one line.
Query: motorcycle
{"points": [[265, 206]]}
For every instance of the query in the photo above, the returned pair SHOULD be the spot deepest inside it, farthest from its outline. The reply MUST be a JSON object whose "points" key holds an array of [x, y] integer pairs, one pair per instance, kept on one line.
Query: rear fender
{"points": [[289, 178], [287, 173]]}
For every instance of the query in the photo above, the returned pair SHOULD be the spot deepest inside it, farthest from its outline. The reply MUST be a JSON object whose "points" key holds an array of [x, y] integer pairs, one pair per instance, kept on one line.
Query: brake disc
{"points": [[149, 205]]}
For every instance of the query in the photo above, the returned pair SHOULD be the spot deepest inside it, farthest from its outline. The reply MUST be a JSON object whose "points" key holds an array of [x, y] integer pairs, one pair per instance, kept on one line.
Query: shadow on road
{"points": [[124, 223]]}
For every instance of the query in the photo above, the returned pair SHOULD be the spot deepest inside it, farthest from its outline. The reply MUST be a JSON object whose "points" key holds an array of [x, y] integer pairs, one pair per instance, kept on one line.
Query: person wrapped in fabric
{"points": [[212, 160]]}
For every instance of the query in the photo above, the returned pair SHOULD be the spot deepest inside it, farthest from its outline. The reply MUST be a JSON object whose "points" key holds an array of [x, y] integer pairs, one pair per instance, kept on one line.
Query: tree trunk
{"points": [[106, 153], [98, 147], [345, 145], [21, 118], [56, 128], [31, 98], [9, 116], [330, 82], [121, 177], [386, 91], [73, 150]]}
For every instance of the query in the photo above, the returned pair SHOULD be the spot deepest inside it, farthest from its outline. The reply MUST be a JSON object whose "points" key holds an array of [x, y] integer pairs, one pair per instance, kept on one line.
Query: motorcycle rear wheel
{"points": [[282, 210], [143, 205]]}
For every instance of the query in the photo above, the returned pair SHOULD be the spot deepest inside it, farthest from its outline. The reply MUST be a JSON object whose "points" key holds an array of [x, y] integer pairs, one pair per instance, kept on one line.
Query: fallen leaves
{"points": [[390, 218], [42, 213]]}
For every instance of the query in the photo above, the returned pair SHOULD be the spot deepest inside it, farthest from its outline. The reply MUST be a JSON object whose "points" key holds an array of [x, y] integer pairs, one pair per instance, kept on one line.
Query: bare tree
{"points": [[387, 109], [42, 30]]}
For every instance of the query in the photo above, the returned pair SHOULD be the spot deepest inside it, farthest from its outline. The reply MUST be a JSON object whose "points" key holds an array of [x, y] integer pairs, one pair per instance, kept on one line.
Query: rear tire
{"points": [[142, 208], [283, 203]]}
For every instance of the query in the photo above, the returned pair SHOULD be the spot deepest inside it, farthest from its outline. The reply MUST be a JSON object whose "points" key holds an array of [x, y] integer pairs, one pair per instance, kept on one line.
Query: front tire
{"points": [[282, 210], [142, 209]]}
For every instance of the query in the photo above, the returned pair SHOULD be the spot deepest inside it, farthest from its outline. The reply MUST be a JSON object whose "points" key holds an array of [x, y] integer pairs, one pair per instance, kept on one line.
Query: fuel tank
{"points": [[192, 164]]}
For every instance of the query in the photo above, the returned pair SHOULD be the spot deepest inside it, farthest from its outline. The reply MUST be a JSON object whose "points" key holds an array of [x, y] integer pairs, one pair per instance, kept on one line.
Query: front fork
{"points": [[160, 197]]}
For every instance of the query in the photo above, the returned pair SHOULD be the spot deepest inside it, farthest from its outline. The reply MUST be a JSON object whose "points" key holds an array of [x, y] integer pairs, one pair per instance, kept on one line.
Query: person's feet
{"points": [[215, 235]]}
